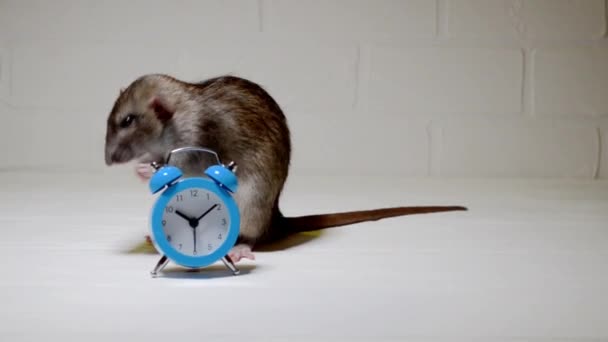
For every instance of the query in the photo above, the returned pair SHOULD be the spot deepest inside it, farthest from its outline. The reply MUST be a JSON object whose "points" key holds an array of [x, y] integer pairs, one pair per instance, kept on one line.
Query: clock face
{"points": [[195, 222]]}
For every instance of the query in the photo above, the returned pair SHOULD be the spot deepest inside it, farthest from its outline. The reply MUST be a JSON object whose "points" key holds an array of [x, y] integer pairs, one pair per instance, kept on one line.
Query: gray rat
{"points": [[239, 120]]}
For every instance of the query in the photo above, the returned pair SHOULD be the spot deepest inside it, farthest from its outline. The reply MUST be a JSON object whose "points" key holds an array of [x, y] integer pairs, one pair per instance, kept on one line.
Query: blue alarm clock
{"points": [[195, 221]]}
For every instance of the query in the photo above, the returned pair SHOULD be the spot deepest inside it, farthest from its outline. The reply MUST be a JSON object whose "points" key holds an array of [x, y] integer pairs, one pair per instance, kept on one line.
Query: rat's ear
{"points": [[160, 108]]}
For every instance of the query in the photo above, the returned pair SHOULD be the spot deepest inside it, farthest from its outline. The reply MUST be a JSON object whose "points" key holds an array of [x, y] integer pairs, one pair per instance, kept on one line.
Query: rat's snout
{"points": [[112, 155], [118, 154], [116, 157], [109, 148], [110, 159]]}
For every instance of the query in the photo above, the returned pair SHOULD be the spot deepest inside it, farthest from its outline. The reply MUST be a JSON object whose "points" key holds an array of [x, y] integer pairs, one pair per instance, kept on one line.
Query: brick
{"points": [[550, 19], [41, 138], [333, 143], [571, 82], [444, 80], [80, 76], [300, 76], [500, 147], [358, 19], [155, 20]]}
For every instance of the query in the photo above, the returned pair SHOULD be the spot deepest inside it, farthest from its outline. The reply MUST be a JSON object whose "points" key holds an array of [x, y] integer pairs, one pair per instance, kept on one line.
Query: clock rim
{"points": [[162, 245]]}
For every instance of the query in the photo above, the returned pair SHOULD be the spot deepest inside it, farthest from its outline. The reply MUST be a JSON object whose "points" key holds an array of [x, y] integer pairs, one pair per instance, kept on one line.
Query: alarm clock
{"points": [[195, 221]]}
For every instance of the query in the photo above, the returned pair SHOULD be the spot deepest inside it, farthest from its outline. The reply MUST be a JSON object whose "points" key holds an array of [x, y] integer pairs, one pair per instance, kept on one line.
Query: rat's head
{"points": [[137, 120]]}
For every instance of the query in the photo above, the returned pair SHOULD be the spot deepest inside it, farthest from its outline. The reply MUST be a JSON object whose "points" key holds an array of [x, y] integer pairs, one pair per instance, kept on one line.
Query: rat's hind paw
{"points": [[239, 252]]}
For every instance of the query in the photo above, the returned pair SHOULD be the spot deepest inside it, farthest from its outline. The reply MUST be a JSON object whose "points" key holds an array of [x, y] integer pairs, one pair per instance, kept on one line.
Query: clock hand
{"points": [[194, 233], [192, 222], [206, 212], [182, 215]]}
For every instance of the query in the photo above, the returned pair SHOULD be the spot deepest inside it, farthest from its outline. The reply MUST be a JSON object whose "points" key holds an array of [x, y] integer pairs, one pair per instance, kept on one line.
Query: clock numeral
{"points": [[169, 238], [208, 198], [179, 198], [209, 246], [164, 223], [223, 222], [180, 246], [194, 193], [169, 209], [219, 237], [219, 207]]}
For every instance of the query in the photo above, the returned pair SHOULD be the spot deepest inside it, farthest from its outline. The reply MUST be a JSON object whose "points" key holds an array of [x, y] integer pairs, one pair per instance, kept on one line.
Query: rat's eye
{"points": [[127, 121]]}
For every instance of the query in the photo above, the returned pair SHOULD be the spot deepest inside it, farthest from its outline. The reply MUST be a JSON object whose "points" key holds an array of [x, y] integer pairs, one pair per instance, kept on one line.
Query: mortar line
{"points": [[605, 19], [598, 164], [357, 90], [261, 15], [528, 84]]}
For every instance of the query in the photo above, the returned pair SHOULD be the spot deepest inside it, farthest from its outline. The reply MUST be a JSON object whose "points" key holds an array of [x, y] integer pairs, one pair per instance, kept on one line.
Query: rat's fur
{"points": [[240, 121]]}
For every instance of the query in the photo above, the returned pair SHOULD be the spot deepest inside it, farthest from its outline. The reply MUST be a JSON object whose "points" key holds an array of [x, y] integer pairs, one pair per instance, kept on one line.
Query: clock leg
{"points": [[228, 262], [160, 265]]}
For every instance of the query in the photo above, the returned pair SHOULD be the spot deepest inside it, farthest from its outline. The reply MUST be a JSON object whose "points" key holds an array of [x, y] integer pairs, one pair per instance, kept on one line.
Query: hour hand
{"points": [[183, 216], [192, 222]]}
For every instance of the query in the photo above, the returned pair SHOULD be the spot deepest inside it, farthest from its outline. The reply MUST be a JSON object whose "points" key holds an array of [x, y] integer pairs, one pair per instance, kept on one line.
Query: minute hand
{"points": [[206, 212]]}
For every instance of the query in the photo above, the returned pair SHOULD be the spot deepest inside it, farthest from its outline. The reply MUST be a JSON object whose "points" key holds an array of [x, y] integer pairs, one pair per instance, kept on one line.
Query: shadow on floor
{"points": [[144, 247], [288, 242], [209, 272]]}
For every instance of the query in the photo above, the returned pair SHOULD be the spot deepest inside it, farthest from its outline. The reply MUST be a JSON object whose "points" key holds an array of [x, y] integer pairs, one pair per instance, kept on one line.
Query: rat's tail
{"points": [[316, 222]]}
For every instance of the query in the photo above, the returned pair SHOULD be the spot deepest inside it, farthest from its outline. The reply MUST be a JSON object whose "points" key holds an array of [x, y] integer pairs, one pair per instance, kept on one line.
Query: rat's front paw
{"points": [[144, 171]]}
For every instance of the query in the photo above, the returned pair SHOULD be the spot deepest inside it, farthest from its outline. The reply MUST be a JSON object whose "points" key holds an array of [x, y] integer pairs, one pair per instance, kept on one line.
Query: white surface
{"points": [[526, 263], [389, 72]]}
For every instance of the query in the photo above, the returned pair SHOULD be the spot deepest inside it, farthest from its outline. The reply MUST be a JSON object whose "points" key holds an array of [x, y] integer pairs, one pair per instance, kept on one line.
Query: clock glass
{"points": [[195, 222]]}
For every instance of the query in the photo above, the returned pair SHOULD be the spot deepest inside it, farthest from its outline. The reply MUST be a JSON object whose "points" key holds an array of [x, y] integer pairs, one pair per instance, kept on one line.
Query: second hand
{"points": [[194, 233]]}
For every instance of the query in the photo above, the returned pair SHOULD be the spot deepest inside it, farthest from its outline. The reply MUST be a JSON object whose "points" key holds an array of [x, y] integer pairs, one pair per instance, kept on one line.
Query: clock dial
{"points": [[195, 222]]}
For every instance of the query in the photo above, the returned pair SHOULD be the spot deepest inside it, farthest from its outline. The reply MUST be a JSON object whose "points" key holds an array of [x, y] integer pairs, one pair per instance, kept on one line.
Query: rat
{"points": [[241, 122]]}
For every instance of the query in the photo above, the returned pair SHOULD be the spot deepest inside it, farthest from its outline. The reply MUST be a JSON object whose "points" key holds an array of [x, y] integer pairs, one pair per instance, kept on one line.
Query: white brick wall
{"points": [[36, 138], [446, 88], [352, 19], [571, 81], [517, 147], [156, 21], [553, 19], [603, 172], [4, 74], [83, 75], [339, 142], [441, 80]]}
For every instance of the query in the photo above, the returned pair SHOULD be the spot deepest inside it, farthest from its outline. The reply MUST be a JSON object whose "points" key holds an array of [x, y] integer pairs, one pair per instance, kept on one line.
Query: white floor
{"points": [[528, 262]]}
